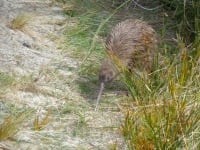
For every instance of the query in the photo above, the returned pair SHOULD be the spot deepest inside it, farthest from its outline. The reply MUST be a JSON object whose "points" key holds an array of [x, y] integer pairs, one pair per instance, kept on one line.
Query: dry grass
{"points": [[166, 109], [12, 124], [20, 21], [40, 124]]}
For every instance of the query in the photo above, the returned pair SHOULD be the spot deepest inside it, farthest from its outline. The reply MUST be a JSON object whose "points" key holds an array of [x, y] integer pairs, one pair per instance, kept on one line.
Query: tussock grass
{"points": [[19, 22], [40, 124], [166, 109], [12, 124]]}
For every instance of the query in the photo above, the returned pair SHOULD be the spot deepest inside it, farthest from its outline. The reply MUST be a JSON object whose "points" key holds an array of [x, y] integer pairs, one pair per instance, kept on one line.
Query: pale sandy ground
{"points": [[35, 53]]}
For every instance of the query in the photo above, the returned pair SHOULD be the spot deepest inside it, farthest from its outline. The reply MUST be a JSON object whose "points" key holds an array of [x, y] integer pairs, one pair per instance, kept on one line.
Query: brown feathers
{"points": [[134, 43]]}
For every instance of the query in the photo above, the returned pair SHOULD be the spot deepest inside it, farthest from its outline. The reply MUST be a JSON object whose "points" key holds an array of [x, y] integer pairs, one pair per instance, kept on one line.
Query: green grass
{"points": [[80, 37], [81, 126], [6, 81]]}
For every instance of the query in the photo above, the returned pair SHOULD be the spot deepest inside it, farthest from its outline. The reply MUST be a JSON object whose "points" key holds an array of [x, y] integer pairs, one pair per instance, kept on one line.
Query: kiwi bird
{"points": [[134, 43]]}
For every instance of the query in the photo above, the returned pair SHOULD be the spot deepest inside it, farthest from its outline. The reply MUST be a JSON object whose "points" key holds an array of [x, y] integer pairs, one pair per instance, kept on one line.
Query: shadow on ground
{"points": [[89, 88]]}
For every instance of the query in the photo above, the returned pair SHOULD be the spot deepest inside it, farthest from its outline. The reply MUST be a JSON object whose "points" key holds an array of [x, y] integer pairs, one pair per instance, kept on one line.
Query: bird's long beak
{"points": [[99, 95]]}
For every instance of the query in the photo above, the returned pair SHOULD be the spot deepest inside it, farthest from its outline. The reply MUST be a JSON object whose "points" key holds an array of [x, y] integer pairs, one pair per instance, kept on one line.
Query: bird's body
{"points": [[134, 44]]}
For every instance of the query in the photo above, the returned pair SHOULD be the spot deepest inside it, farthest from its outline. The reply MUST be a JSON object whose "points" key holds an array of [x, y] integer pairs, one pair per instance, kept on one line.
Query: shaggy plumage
{"points": [[133, 43]]}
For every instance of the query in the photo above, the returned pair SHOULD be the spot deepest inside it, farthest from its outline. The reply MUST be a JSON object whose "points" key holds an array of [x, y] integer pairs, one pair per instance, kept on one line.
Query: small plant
{"points": [[81, 125], [12, 124], [40, 124], [113, 146], [6, 81], [20, 21]]}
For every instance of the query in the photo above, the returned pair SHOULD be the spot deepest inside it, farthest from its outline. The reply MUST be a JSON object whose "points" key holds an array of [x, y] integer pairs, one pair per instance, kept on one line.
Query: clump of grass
{"points": [[81, 125], [166, 125], [19, 22], [81, 37], [165, 114], [69, 108], [113, 146], [40, 124], [6, 81], [12, 124]]}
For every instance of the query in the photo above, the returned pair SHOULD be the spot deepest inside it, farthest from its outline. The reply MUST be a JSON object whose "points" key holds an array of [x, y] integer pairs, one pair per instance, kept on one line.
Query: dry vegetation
{"points": [[12, 124], [20, 21]]}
